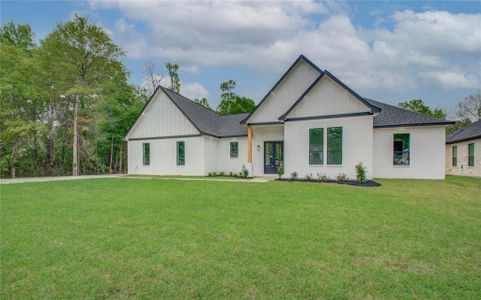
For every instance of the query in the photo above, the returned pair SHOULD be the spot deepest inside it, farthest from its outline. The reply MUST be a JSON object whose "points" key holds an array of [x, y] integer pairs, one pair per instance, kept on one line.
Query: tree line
{"points": [[66, 103]]}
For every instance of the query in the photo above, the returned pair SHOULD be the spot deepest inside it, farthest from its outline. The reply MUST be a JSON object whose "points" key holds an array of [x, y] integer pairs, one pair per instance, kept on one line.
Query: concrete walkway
{"points": [[252, 180], [61, 178], [56, 178]]}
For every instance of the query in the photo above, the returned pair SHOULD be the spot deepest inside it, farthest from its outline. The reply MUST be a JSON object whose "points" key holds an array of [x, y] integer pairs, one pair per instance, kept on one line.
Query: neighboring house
{"points": [[463, 151], [309, 121]]}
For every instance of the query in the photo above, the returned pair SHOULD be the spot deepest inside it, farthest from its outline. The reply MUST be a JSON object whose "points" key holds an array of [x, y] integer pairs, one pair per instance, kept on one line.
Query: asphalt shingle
{"points": [[393, 116], [206, 120], [470, 132]]}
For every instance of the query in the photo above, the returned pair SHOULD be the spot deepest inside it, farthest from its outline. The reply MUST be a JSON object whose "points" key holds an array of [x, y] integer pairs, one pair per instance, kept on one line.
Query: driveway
{"points": [[55, 178], [61, 178]]}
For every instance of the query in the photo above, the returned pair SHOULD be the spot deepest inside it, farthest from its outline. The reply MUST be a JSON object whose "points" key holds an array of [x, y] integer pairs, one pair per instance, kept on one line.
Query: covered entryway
{"points": [[273, 156]]}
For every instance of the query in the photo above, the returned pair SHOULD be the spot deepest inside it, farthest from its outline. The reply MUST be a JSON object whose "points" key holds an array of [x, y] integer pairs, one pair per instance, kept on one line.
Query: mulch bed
{"points": [[369, 183]]}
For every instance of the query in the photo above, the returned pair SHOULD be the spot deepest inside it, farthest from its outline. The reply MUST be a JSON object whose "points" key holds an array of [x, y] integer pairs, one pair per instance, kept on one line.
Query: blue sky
{"points": [[390, 51]]}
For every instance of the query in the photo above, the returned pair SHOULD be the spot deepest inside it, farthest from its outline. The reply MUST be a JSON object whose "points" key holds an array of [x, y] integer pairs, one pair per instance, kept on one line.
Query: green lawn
{"points": [[127, 238]]}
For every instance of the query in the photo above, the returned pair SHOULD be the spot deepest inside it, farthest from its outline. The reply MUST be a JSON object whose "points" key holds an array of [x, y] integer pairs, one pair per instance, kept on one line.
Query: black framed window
{"points": [[234, 149], [471, 155], [180, 153], [455, 156], [146, 154], [401, 144], [316, 146], [334, 146]]}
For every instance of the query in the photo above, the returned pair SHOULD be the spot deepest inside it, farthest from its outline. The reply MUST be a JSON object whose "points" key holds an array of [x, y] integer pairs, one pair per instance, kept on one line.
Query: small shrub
{"points": [[341, 177], [308, 176], [361, 173], [294, 175], [214, 174], [244, 173], [221, 173], [209, 174], [231, 174], [280, 170], [322, 177]]}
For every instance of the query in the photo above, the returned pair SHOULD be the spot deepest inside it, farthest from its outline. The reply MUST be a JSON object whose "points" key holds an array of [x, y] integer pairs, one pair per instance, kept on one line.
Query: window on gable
{"points": [[316, 146], [455, 156], [234, 149], [401, 149], [180, 153], [146, 154], [334, 146], [471, 155]]}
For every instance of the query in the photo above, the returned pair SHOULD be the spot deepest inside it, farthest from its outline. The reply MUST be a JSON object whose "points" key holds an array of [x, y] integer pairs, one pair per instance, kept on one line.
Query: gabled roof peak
{"points": [[301, 57], [328, 74]]}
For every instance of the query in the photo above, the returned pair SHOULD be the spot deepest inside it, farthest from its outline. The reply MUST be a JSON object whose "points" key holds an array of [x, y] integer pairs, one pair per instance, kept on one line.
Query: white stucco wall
{"points": [[427, 153], [161, 118], [217, 154], [163, 157], [261, 134], [285, 94], [463, 169], [357, 143], [328, 98]]}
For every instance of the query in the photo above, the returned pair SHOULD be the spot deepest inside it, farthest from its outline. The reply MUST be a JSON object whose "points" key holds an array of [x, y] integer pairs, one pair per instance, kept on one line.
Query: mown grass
{"points": [[125, 238]]}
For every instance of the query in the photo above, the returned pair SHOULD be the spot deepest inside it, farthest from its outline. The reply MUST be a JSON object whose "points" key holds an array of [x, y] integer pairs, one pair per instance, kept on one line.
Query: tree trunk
{"points": [[75, 137], [111, 153], [120, 158], [13, 160]]}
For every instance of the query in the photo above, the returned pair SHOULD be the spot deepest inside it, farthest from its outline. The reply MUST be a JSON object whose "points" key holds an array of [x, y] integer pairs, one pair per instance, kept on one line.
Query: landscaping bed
{"points": [[369, 183]]}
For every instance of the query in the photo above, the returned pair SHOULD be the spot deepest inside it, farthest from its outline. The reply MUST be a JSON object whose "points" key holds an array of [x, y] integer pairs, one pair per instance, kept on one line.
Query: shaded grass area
{"points": [[122, 238]]}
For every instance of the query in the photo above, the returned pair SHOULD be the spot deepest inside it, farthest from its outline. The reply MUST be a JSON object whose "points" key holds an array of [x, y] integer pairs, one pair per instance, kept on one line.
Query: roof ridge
{"points": [[210, 109], [284, 75]]}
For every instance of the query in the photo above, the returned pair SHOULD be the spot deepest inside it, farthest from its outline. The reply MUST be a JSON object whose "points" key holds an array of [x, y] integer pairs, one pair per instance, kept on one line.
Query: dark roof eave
{"points": [[373, 108], [464, 140], [301, 57], [183, 112], [141, 112], [442, 123]]}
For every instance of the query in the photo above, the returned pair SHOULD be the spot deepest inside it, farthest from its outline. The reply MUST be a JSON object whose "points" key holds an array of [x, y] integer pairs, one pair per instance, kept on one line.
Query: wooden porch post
{"points": [[249, 144]]}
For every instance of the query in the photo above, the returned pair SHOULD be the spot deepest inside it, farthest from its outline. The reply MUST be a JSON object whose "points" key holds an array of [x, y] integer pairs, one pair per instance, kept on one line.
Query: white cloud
{"points": [[194, 90], [453, 80], [419, 48]]}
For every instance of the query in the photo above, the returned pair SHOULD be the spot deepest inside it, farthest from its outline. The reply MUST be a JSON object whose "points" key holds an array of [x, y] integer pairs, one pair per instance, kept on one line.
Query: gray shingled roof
{"points": [[470, 132], [209, 122], [206, 120], [393, 116]]}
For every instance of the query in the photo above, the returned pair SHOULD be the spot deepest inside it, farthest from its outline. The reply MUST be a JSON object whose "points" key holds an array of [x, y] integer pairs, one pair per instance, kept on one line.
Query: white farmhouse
{"points": [[309, 121]]}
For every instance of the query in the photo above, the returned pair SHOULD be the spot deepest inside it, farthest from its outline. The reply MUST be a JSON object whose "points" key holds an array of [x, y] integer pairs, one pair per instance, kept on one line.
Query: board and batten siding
{"points": [[427, 157], [163, 157], [357, 144], [162, 118], [285, 94], [327, 98], [463, 168], [217, 154]]}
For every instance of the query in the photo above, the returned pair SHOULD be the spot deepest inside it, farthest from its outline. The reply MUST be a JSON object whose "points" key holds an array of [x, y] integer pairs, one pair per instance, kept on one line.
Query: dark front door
{"points": [[273, 156]]}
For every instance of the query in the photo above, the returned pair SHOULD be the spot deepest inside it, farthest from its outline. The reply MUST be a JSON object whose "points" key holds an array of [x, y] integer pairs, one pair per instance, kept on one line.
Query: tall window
{"points": [[316, 146], [180, 153], [471, 155], [401, 149], [146, 154], [234, 149], [334, 146], [455, 156]]}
